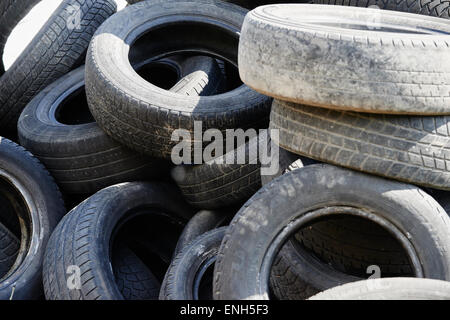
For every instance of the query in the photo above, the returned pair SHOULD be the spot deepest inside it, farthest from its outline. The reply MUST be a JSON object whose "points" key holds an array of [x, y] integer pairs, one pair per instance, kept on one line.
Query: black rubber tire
{"points": [[53, 52], [84, 236], [301, 196], [38, 203], [144, 117], [218, 184], [11, 12], [201, 223], [134, 280], [347, 245], [187, 271], [406, 148], [248, 4], [389, 289], [83, 159], [379, 63], [9, 249], [436, 8]]}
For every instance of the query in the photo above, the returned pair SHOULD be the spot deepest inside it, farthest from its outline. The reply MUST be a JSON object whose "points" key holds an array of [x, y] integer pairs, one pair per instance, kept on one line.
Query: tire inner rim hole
{"points": [[344, 236], [160, 74], [361, 227], [74, 109], [210, 40], [151, 236], [203, 282], [15, 217]]}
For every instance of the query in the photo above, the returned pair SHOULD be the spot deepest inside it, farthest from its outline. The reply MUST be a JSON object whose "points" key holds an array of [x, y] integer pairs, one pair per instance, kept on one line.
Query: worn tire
{"points": [[389, 289], [81, 157], [439, 8], [187, 271], [345, 247], [248, 4], [11, 13], [53, 52], [222, 182], [326, 63], [242, 271], [143, 117], [134, 280], [201, 223], [9, 249], [37, 201], [406, 148], [83, 238]]}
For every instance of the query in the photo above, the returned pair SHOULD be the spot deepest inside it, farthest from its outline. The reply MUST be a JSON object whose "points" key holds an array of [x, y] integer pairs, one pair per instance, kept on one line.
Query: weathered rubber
{"points": [[58, 48], [184, 270], [406, 148], [134, 280], [144, 117], [348, 58], [250, 244], [223, 182], [389, 289], [40, 207], [9, 248], [83, 238]]}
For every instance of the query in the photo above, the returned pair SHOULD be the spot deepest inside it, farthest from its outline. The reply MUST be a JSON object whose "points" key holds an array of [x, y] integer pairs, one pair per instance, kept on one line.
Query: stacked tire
{"points": [[355, 92], [339, 174]]}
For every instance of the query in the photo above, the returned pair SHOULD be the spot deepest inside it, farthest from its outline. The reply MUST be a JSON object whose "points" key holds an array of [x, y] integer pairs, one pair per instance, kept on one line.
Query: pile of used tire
{"points": [[358, 131]]}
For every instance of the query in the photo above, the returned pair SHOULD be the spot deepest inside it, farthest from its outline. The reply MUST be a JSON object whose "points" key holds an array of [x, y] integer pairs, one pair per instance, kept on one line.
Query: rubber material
{"points": [[348, 58], [242, 271], [9, 248], [58, 48], [389, 289], [38, 203], [134, 279], [186, 276], [83, 238], [143, 117], [406, 148], [223, 182]]}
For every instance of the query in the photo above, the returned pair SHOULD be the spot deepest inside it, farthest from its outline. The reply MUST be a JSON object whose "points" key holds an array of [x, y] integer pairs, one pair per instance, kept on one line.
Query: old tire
{"points": [[85, 235], [439, 8], [398, 207], [187, 277], [38, 205], [389, 289], [330, 63], [55, 50], [59, 129], [406, 148], [144, 117]]}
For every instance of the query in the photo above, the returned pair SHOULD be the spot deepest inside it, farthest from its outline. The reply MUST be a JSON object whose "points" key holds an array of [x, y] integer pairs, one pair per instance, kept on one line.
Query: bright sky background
{"points": [[30, 25]]}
